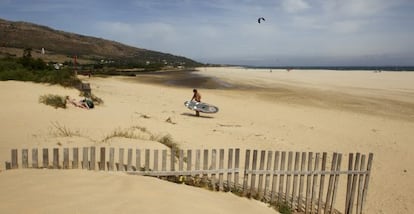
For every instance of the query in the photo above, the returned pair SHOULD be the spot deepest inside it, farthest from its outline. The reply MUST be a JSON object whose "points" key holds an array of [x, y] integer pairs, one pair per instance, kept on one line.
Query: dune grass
{"points": [[56, 101]]}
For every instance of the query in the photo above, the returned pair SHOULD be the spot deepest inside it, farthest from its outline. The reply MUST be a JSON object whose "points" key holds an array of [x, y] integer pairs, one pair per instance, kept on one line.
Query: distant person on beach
{"points": [[196, 97], [85, 104]]}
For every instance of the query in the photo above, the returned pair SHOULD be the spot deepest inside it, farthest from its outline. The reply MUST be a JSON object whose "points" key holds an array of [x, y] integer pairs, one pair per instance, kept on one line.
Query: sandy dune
{"points": [[320, 111]]}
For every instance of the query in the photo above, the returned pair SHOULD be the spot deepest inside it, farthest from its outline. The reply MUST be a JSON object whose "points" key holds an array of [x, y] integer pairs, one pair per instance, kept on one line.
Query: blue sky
{"points": [[295, 33]]}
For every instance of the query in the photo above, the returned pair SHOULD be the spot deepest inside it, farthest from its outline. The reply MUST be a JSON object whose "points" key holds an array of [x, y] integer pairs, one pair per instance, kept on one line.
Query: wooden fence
{"points": [[305, 181]]}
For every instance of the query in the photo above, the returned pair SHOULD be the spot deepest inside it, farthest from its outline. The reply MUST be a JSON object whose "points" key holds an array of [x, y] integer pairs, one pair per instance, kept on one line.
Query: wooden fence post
{"points": [[295, 182], [85, 161], [308, 183], [246, 168], [365, 190], [330, 185], [267, 179], [354, 180], [155, 168], [260, 193], [360, 186], [14, 162], [35, 158], [338, 168], [121, 166], [221, 167], [205, 167], [198, 161], [189, 163], [213, 167], [164, 160], [138, 159], [129, 160], [111, 162], [322, 183], [289, 177], [147, 160], [93, 158], [45, 157], [236, 166], [229, 166], [102, 158], [55, 158], [25, 158], [282, 177], [66, 158], [75, 162], [274, 197], [301, 182], [314, 183]]}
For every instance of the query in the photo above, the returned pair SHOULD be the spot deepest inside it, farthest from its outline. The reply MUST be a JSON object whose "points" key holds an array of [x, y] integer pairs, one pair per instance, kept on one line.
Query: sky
{"points": [[294, 33]]}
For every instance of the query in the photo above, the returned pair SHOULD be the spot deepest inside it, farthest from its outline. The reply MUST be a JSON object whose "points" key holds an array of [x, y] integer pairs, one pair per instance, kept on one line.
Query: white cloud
{"points": [[294, 6]]}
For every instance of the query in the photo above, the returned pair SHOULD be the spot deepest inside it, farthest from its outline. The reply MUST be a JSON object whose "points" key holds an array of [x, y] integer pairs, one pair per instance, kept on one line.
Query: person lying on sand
{"points": [[81, 104]]}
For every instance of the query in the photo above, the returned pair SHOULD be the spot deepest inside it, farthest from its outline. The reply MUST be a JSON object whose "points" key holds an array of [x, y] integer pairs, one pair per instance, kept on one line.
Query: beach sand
{"points": [[312, 110]]}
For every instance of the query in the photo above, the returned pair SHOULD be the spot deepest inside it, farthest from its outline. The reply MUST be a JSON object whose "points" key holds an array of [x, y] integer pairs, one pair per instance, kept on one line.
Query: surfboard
{"points": [[201, 107]]}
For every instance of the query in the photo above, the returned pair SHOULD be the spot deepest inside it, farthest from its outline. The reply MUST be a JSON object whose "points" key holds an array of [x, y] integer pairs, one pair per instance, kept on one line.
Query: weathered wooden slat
{"points": [[360, 186], [102, 157], [129, 160], [322, 183], [221, 166], [331, 183], [354, 181], [164, 160], [213, 167], [14, 161], [75, 160], [260, 193], [155, 160], [189, 162], [55, 158], [301, 181], [25, 158], [92, 161], [111, 164], [274, 195], [66, 158], [282, 178], [295, 182], [252, 191], [288, 178], [267, 179], [246, 167], [198, 160], [236, 165], [336, 181], [138, 159], [366, 182], [205, 166], [147, 160], [172, 160], [181, 160], [35, 158], [314, 183], [45, 155], [85, 158], [229, 166], [121, 166], [308, 184], [349, 181]]}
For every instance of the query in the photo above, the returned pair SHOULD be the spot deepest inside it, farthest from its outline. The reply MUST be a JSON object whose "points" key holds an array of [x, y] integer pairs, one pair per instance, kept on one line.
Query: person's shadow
{"points": [[193, 115]]}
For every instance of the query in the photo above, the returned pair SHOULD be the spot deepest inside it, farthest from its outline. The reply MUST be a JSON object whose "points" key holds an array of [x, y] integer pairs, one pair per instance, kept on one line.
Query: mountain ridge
{"points": [[22, 35]]}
